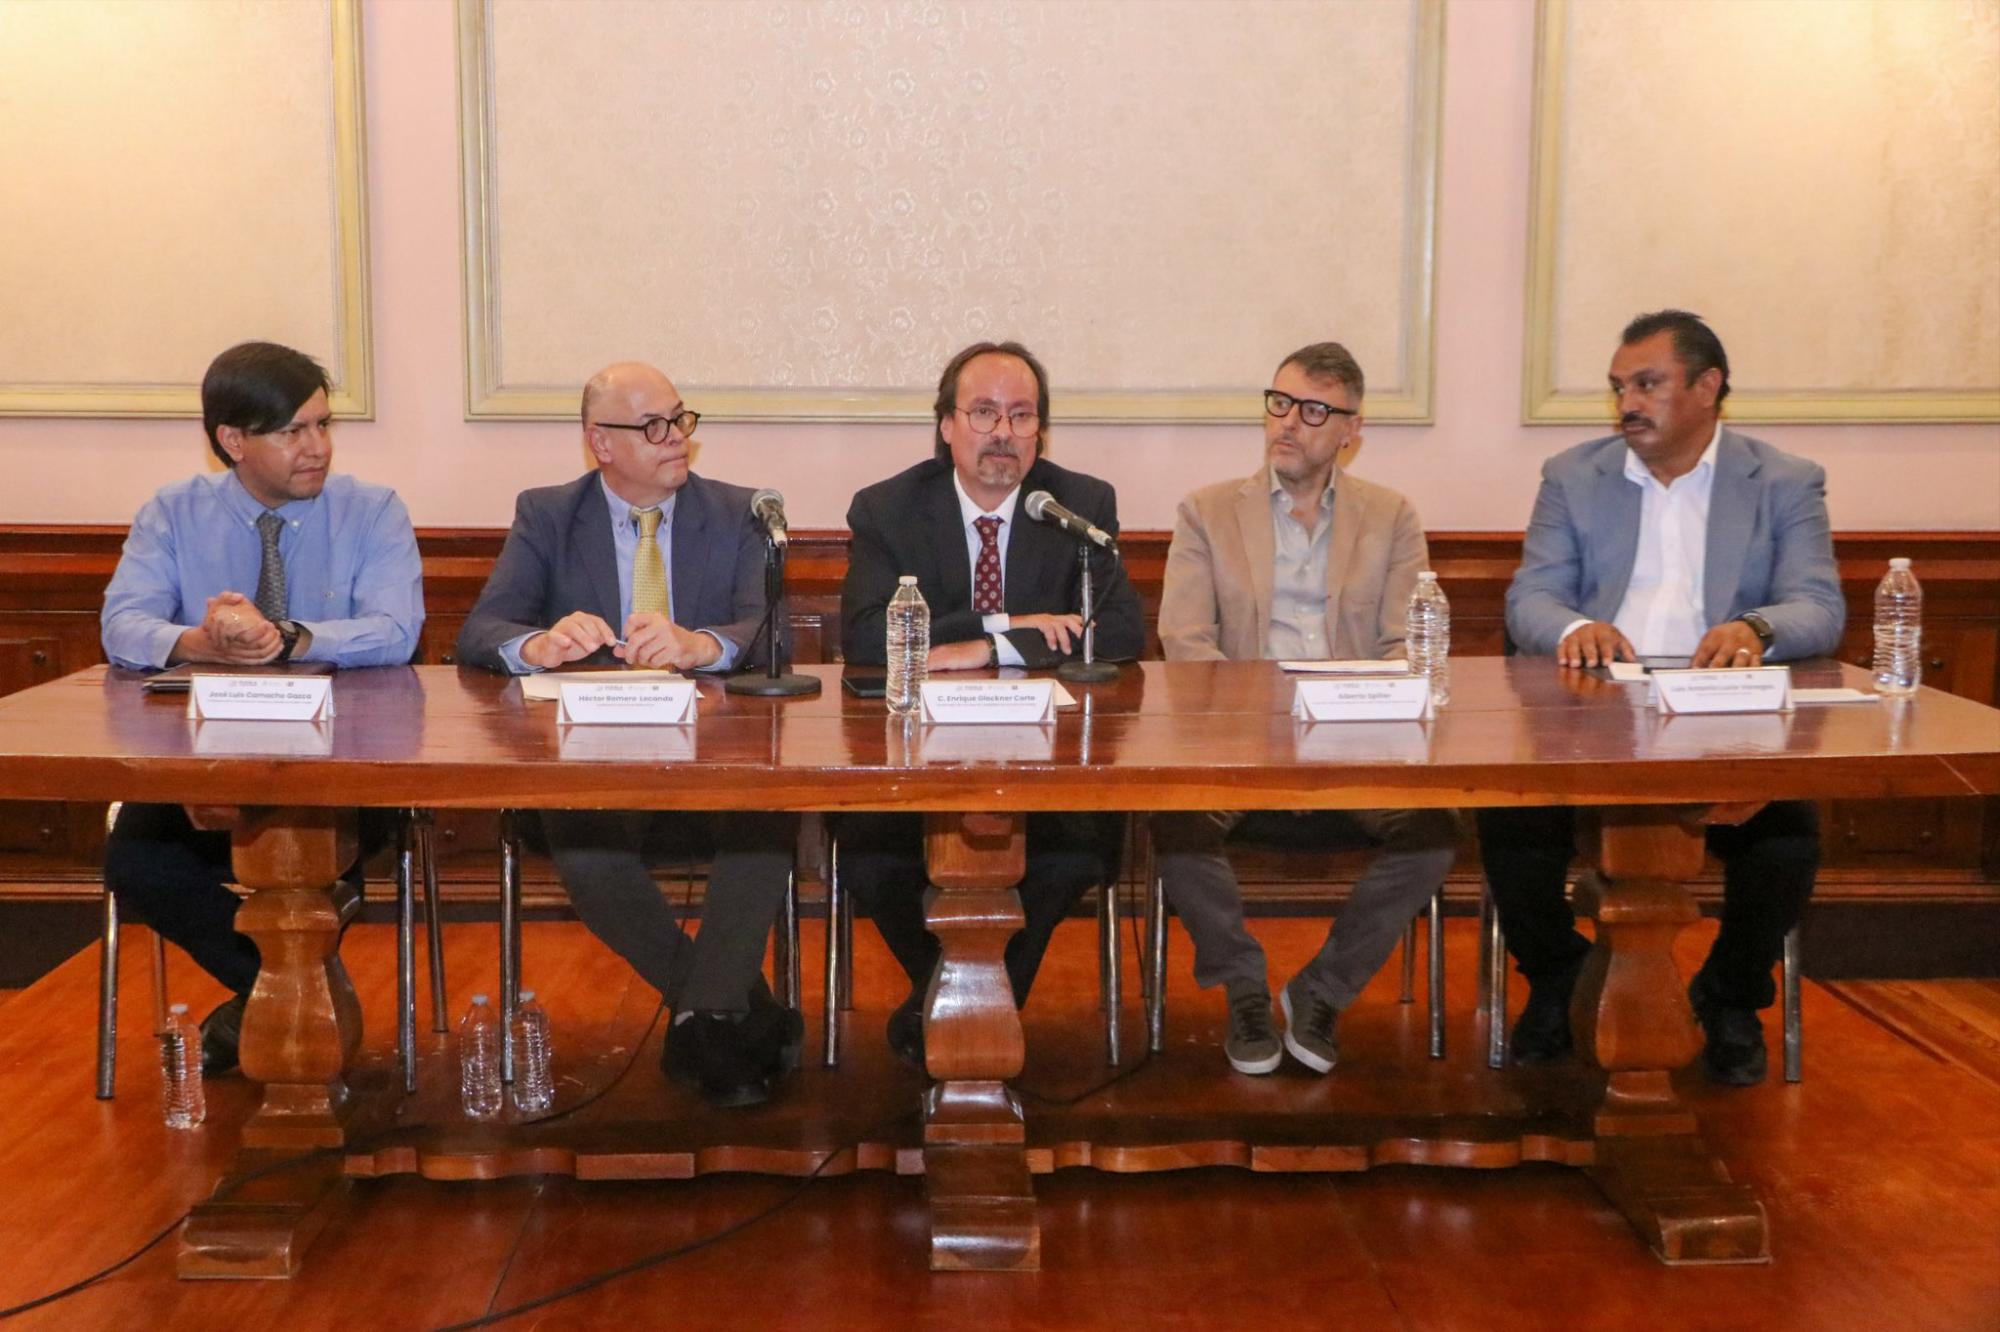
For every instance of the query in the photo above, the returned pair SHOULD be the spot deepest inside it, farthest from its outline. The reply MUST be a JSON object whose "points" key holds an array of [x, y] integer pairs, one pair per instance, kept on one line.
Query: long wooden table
{"points": [[1163, 737]]}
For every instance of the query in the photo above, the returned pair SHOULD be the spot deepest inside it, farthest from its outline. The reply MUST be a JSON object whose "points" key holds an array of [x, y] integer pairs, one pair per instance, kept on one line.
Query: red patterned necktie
{"points": [[986, 573]]}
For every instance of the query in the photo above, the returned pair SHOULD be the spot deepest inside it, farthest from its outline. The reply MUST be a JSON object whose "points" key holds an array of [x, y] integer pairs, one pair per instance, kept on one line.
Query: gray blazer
{"points": [[1770, 548], [558, 558]]}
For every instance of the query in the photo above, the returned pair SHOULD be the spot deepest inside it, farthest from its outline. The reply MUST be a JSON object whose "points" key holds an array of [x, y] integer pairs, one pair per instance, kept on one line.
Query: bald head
{"points": [[619, 403]]}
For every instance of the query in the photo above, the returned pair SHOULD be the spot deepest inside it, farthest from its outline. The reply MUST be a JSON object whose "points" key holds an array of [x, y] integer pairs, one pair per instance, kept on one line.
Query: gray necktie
{"points": [[271, 574]]}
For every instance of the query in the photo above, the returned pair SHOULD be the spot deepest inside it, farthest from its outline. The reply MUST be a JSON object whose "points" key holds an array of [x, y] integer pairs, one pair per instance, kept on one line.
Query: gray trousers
{"points": [[1416, 850], [604, 857]]}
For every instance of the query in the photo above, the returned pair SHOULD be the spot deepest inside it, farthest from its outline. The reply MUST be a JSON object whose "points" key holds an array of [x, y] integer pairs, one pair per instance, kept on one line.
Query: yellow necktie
{"points": [[649, 574]]}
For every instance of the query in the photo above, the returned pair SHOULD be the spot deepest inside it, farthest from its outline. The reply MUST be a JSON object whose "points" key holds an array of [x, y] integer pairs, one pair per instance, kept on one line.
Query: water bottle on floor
{"points": [[1427, 635], [180, 1070], [909, 645], [479, 1060], [534, 1079], [1899, 630]]}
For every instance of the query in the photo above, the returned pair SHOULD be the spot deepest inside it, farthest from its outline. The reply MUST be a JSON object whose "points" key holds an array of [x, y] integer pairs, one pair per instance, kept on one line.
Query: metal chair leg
{"points": [[406, 952], [107, 1002], [785, 946], [1434, 971], [846, 914], [1794, 1019], [426, 830], [1110, 963], [510, 936], [1409, 994], [1496, 987], [837, 970], [1156, 965]]}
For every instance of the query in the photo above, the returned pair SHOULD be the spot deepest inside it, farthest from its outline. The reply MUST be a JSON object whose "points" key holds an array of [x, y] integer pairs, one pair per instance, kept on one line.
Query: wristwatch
{"points": [[289, 634], [1760, 627], [992, 651]]}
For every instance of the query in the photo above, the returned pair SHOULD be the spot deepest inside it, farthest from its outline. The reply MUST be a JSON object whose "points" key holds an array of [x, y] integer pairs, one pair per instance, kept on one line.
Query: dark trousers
{"points": [[882, 865], [1768, 866], [172, 876]]}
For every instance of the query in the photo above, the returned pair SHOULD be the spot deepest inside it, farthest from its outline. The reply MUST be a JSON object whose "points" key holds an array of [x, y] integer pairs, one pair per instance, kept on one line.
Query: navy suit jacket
{"points": [[911, 524], [559, 558], [1769, 549]]}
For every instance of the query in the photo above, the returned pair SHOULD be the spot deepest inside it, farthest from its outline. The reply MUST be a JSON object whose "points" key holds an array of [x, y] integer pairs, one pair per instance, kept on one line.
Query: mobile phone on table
{"points": [[862, 682]]}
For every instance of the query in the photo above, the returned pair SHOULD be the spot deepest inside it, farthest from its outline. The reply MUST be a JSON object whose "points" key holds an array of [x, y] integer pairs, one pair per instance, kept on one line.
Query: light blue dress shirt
{"points": [[352, 574], [624, 548]]}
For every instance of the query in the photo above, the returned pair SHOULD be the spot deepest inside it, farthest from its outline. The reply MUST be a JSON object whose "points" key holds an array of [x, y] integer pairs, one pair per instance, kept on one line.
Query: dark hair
{"points": [[947, 397], [1695, 345], [257, 387], [1328, 361]]}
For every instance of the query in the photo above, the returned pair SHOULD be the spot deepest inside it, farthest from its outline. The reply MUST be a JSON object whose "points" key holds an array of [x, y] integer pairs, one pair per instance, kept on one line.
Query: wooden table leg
{"points": [[1631, 1016], [301, 1031], [975, 1142]]}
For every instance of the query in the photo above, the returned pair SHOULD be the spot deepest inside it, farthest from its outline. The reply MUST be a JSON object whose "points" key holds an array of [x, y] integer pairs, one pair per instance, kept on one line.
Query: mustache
{"points": [[1631, 419]]}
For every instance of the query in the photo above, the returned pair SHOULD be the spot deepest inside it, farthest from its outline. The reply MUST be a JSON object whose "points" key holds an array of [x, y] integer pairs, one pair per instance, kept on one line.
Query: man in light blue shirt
{"points": [[273, 559]]}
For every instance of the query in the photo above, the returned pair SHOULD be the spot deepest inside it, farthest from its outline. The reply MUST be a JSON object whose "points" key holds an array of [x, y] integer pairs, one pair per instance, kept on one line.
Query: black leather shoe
{"points": [[906, 1031], [1733, 1052], [777, 1030], [1542, 1031], [712, 1053], [221, 1033]]}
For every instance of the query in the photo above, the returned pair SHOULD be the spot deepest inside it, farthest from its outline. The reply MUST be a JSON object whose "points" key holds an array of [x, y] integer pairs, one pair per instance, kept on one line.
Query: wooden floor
{"points": [[1881, 1174]]}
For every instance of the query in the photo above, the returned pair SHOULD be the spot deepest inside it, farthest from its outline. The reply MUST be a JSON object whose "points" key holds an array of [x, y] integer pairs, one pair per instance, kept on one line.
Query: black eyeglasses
{"points": [[1022, 423], [1311, 410], [655, 428]]}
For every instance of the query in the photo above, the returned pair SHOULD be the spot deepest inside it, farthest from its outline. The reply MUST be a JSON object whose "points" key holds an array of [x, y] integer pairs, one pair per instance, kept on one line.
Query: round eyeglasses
{"points": [[985, 420], [656, 428]]}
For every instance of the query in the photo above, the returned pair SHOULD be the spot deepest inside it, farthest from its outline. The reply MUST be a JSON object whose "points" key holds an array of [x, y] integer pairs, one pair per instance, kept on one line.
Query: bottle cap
{"points": [[478, 998], [1427, 576], [178, 1009], [907, 580], [527, 996], [1900, 562]]}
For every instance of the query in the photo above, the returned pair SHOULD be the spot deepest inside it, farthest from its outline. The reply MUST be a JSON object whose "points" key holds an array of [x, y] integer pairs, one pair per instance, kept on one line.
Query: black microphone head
{"points": [[1037, 503]]}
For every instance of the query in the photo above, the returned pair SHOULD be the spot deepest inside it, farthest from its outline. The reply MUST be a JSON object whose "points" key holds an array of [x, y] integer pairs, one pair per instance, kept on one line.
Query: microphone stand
{"points": [[776, 682], [1089, 670]]}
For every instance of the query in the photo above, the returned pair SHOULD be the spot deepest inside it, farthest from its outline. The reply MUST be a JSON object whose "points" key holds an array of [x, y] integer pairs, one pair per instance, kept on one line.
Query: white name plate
{"points": [[1345, 667], [982, 702], [1378, 698], [293, 698], [602, 699], [1755, 689]]}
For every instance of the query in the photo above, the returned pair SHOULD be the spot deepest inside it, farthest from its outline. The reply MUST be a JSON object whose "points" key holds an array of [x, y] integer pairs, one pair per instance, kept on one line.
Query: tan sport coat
{"points": [[1216, 603]]}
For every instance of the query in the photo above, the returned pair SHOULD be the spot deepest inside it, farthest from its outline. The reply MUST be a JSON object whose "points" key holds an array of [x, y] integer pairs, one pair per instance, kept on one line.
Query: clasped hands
{"points": [[1729, 644], [233, 631], [651, 641], [1058, 631]]}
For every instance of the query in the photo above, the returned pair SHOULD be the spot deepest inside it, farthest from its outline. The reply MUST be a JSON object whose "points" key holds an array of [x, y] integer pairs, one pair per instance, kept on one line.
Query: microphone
{"points": [[768, 507], [1042, 506]]}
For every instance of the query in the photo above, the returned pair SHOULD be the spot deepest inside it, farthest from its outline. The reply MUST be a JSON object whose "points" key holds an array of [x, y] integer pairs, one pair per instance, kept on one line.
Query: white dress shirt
{"points": [[1662, 613], [996, 625]]}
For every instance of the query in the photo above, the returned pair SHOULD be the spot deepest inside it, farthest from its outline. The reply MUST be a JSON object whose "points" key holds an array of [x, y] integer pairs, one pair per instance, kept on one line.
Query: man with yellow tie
{"points": [[676, 563]]}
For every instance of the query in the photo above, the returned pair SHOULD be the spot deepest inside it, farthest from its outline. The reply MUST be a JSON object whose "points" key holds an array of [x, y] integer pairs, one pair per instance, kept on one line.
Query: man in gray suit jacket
{"points": [[1299, 561], [1677, 537], [675, 562]]}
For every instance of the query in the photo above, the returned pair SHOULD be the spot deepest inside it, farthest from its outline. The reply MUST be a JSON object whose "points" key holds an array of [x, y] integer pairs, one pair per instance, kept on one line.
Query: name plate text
{"points": [[294, 698], [949, 702], [1386, 698], [602, 699], [1754, 689]]}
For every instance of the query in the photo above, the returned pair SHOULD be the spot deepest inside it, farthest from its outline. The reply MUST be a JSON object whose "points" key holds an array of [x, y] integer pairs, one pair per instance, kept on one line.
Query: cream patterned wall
{"points": [[1818, 177], [801, 207], [178, 175]]}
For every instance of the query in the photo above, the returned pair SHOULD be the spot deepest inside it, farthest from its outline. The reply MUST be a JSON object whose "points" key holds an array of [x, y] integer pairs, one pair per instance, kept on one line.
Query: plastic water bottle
{"points": [[1899, 630], [909, 645], [1427, 635], [534, 1083], [180, 1071], [479, 1060]]}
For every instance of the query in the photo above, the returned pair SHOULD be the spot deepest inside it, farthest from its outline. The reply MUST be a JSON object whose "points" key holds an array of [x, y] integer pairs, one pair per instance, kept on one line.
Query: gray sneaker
{"points": [[1309, 1027], [1252, 1045]]}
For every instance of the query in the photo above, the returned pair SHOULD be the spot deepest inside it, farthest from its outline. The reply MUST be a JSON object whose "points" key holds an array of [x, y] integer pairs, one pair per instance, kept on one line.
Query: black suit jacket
{"points": [[559, 558], [910, 524]]}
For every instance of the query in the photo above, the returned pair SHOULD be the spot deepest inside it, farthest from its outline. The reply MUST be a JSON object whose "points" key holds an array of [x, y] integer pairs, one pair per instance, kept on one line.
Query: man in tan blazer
{"points": [[1298, 561]]}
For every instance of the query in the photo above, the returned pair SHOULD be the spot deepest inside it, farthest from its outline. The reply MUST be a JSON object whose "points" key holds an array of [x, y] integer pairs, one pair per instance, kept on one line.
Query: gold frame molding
{"points": [[353, 393], [487, 399], [1543, 403]]}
